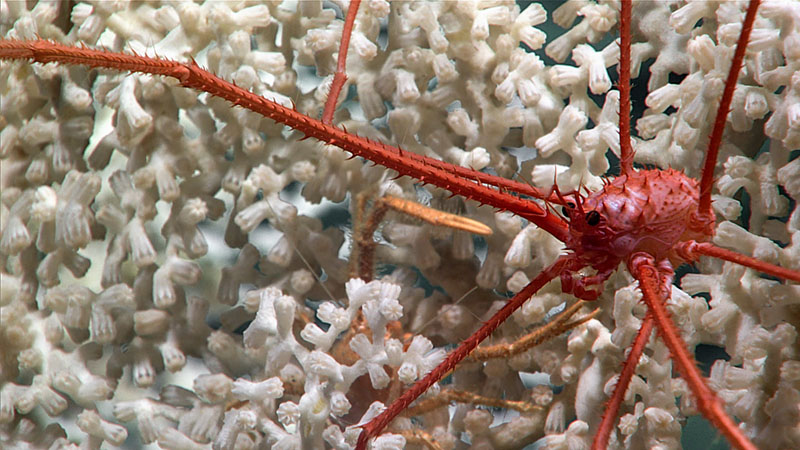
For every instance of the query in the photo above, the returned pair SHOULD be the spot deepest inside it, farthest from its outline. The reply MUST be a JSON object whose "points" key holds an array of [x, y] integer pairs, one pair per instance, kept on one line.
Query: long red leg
{"points": [[376, 425], [626, 151], [493, 180], [643, 268], [714, 142], [340, 76], [692, 249], [628, 368], [504, 184], [192, 76]]}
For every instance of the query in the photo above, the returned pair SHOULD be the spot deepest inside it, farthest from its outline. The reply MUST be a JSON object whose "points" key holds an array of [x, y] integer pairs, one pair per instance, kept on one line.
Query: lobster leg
{"points": [[377, 424], [691, 250], [192, 76], [725, 106], [654, 292], [626, 150], [629, 367], [340, 77]]}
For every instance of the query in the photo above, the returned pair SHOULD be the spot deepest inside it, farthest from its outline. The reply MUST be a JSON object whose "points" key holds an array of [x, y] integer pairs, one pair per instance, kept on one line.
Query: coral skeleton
{"points": [[175, 268]]}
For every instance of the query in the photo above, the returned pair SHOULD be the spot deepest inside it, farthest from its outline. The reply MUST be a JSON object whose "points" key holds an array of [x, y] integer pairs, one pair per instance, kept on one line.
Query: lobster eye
{"points": [[565, 210], [593, 218]]}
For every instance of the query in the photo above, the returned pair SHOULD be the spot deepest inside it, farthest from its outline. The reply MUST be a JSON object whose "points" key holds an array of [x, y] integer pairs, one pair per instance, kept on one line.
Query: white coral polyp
{"points": [[389, 442], [325, 365], [288, 413]]}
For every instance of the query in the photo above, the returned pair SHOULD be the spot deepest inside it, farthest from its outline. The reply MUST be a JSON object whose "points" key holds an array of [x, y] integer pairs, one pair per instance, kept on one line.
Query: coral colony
{"points": [[141, 303]]}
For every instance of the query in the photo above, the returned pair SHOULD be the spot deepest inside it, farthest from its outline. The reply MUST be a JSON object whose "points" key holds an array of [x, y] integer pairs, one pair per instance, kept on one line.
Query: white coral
{"points": [[203, 232]]}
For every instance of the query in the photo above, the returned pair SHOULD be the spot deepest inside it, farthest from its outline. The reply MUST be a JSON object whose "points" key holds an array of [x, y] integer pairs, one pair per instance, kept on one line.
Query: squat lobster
{"points": [[651, 220]]}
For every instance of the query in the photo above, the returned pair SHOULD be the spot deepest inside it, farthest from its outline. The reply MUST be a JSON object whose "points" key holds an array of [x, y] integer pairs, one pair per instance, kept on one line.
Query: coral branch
{"points": [[452, 395], [362, 259], [436, 217], [420, 437], [557, 326]]}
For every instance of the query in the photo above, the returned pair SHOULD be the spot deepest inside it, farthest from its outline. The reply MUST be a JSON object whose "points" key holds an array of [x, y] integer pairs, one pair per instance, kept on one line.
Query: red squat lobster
{"points": [[650, 220]]}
